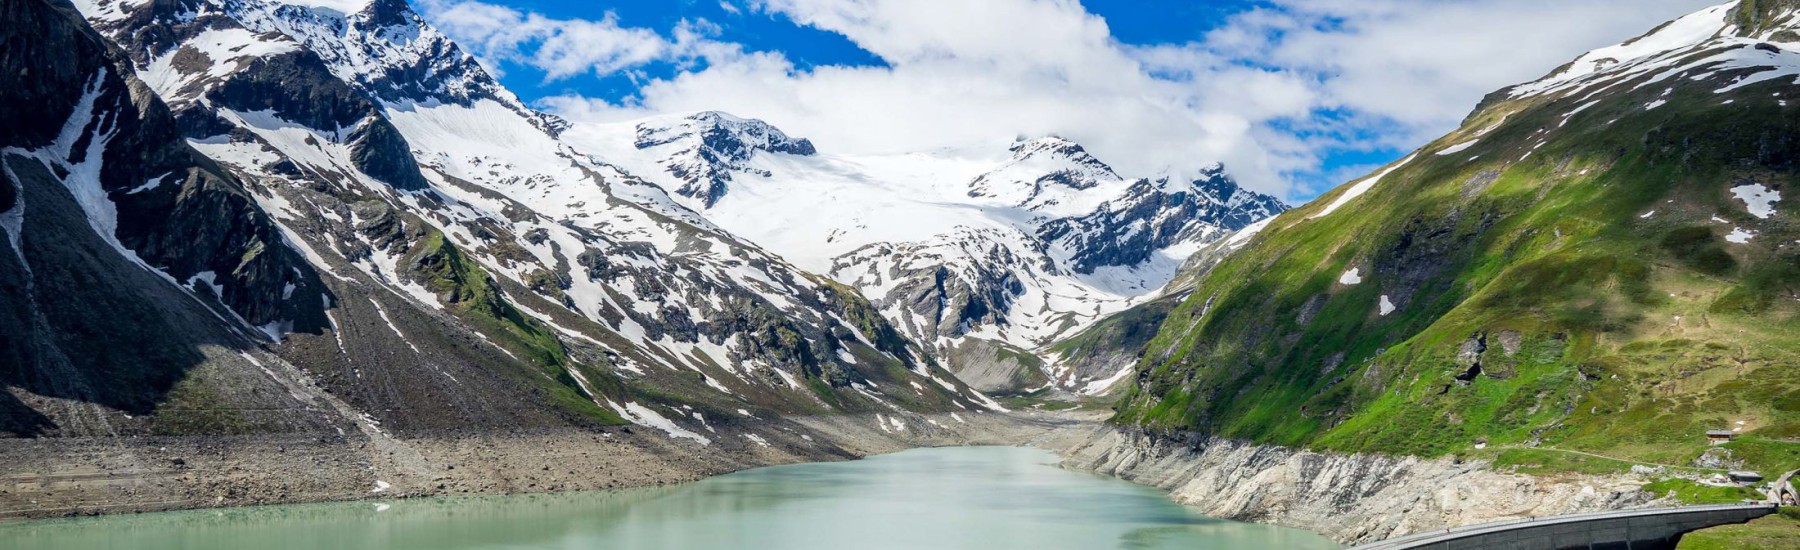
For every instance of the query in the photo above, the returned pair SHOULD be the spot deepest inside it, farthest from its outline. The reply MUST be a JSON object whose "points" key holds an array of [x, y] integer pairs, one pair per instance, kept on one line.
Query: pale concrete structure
{"points": [[1650, 529]]}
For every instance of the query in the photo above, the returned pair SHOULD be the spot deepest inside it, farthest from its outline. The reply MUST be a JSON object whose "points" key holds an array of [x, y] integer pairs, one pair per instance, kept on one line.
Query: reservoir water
{"points": [[956, 497]]}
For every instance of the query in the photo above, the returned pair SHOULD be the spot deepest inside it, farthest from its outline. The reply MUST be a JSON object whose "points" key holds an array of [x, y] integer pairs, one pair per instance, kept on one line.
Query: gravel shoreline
{"points": [[59, 477]]}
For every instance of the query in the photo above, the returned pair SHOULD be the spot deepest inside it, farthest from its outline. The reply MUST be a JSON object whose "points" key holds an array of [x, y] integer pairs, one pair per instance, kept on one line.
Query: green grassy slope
{"points": [[1538, 300], [1775, 532]]}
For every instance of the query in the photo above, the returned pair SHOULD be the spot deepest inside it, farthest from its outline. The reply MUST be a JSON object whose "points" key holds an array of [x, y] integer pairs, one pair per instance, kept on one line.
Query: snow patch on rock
{"points": [[1359, 188], [1458, 148], [1758, 199], [645, 416]]}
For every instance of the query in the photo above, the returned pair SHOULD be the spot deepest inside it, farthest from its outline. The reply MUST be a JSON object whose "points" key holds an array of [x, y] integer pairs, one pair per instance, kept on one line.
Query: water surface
{"points": [[957, 497]]}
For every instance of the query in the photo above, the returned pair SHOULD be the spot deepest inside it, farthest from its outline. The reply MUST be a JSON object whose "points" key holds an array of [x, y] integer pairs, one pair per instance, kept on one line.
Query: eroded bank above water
{"points": [[1351, 498], [54, 477]]}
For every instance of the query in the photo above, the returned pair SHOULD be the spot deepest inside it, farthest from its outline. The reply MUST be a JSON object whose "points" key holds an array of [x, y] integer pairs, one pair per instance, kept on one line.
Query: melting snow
{"points": [[227, 49], [391, 326], [714, 384], [276, 329], [1458, 148], [152, 184], [336, 332], [1361, 187], [1386, 306], [1682, 32], [1739, 235], [212, 282], [1238, 239], [788, 378], [380, 486], [1571, 114], [1098, 386], [1351, 277], [645, 416], [1759, 200]]}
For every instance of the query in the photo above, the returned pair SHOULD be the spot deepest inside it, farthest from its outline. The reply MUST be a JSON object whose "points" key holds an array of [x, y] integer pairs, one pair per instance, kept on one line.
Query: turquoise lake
{"points": [[956, 497]]}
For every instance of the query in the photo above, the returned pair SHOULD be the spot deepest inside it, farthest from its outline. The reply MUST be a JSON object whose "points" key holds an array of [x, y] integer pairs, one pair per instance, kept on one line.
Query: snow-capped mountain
{"points": [[706, 150], [1030, 178], [1739, 44], [418, 243], [966, 250], [1156, 215]]}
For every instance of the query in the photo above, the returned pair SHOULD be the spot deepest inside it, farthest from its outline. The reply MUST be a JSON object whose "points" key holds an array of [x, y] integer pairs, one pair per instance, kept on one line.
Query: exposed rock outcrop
{"points": [[1352, 498]]}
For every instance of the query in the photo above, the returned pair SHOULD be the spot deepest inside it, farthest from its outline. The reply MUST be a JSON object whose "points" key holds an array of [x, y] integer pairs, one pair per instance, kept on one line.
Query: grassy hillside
{"points": [[1569, 280], [1775, 532]]}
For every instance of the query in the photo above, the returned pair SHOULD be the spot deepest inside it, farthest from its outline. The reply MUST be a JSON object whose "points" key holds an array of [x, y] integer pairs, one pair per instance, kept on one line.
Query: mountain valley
{"points": [[278, 251]]}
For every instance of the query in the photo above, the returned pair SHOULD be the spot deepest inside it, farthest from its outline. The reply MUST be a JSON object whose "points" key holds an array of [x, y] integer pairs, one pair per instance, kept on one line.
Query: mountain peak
{"points": [[1039, 164], [1049, 145], [385, 13], [731, 136], [345, 7], [710, 146]]}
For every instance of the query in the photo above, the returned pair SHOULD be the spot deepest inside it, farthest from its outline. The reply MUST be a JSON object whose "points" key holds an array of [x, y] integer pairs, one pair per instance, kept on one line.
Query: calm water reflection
{"points": [[960, 497]]}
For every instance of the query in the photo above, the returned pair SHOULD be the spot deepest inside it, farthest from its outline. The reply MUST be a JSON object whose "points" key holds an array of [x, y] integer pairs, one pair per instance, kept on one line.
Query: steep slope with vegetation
{"points": [[1605, 260]]}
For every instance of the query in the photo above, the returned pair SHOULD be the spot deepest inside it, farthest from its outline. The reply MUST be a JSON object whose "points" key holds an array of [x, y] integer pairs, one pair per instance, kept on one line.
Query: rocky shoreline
{"points": [[57, 477], [1350, 498]]}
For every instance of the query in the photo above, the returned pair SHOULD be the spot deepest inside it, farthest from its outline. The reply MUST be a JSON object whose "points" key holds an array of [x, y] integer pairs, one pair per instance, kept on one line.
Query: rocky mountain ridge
{"points": [[985, 259], [343, 204]]}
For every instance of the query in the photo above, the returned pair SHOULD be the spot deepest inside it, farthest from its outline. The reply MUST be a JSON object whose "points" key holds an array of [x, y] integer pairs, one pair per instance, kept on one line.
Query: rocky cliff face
{"points": [[1155, 215], [134, 261], [1351, 498]]}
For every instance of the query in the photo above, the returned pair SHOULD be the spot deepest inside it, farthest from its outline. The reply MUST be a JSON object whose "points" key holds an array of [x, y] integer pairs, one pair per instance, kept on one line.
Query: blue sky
{"points": [[1142, 22], [807, 46], [1295, 96]]}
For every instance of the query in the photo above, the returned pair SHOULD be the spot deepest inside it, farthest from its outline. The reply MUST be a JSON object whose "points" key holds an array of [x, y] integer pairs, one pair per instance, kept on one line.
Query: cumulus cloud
{"points": [[1410, 69], [1275, 91], [559, 47]]}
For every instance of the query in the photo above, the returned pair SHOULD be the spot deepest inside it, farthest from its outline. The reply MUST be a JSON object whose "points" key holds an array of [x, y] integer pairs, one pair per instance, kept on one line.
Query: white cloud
{"points": [[1271, 92], [559, 47], [1418, 66]]}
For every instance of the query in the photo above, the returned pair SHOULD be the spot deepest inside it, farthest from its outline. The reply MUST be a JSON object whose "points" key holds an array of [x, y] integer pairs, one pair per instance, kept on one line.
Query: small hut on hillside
{"points": [[1719, 437]]}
